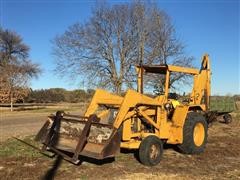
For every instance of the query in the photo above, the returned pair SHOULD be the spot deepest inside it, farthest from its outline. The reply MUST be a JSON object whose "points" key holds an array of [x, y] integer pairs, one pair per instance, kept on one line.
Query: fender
{"points": [[178, 121]]}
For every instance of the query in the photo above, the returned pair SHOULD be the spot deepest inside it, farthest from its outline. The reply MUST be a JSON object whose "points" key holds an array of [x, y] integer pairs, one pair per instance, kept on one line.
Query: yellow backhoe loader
{"points": [[135, 121]]}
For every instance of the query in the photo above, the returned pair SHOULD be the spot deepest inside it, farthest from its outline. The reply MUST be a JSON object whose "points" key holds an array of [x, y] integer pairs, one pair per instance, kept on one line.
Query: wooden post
{"points": [[11, 99]]}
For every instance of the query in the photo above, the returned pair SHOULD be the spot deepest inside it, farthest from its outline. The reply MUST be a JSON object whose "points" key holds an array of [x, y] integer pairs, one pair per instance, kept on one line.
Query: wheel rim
{"points": [[154, 151], [198, 134]]}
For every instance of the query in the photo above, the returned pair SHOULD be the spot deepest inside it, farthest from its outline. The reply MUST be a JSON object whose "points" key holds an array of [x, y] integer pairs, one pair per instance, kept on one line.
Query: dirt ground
{"points": [[221, 160]]}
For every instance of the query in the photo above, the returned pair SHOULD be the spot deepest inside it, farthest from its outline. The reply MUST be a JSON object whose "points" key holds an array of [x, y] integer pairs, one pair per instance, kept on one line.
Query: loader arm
{"points": [[105, 98], [131, 99]]}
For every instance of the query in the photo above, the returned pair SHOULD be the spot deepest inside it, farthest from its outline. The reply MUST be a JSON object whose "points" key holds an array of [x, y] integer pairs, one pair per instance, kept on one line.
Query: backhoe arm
{"points": [[202, 84]]}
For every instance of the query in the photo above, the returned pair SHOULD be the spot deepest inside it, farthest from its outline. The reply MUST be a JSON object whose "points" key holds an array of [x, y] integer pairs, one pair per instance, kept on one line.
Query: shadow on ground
{"points": [[50, 174]]}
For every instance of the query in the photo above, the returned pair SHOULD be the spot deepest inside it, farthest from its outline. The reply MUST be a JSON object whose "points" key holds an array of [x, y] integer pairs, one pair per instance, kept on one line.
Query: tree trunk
{"points": [[118, 88]]}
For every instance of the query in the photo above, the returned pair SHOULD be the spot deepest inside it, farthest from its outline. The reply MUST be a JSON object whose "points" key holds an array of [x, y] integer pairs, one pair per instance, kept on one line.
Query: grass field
{"points": [[43, 108], [14, 148]]}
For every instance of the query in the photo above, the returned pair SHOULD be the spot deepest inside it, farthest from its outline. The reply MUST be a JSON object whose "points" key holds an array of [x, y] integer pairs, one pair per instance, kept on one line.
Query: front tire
{"points": [[150, 151], [194, 134]]}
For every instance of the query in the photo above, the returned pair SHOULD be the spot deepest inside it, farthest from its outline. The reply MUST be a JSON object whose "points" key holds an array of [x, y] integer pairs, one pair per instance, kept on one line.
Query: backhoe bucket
{"points": [[71, 136]]}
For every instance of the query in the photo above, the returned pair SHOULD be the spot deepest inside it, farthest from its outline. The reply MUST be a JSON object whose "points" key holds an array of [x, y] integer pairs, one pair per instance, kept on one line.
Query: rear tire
{"points": [[227, 118], [194, 134], [150, 151]]}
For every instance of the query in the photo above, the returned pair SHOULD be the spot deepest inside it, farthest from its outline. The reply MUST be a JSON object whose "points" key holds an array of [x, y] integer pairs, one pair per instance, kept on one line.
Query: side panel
{"points": [[164, 124], [178, 119], [127, 132]]}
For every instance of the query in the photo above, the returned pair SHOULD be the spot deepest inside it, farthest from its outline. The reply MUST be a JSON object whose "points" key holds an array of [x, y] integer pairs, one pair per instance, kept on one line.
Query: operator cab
{"points": [[156, 84], [155, 81]]}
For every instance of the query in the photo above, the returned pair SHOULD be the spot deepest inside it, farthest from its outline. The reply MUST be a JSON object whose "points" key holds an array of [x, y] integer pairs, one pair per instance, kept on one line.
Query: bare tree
{"points": [[104, 49], [15, 68]]}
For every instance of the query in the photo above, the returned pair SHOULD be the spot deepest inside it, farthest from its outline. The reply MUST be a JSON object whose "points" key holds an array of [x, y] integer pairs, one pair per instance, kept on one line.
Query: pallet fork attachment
{"points": [[51, 137]]}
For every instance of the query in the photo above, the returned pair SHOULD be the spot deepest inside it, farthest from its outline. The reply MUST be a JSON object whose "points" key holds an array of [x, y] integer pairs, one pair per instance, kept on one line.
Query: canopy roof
{"points": [[162, 69]]}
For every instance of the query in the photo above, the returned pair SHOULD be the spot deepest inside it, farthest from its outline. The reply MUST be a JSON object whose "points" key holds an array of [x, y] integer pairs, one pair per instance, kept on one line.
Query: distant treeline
{"points": [[54, 95], [58, 95]]}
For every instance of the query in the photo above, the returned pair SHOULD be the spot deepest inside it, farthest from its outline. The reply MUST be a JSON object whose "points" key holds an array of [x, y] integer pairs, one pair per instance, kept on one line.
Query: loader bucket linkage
{"points": [[71, 136]]}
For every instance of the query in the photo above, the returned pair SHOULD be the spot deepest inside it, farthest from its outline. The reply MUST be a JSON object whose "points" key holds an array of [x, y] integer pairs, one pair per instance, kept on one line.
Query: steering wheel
{"points": [[158, 92]]}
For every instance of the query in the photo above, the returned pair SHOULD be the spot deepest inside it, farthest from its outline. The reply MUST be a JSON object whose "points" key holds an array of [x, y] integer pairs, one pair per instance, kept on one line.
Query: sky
{"points": [[206, 26]]}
